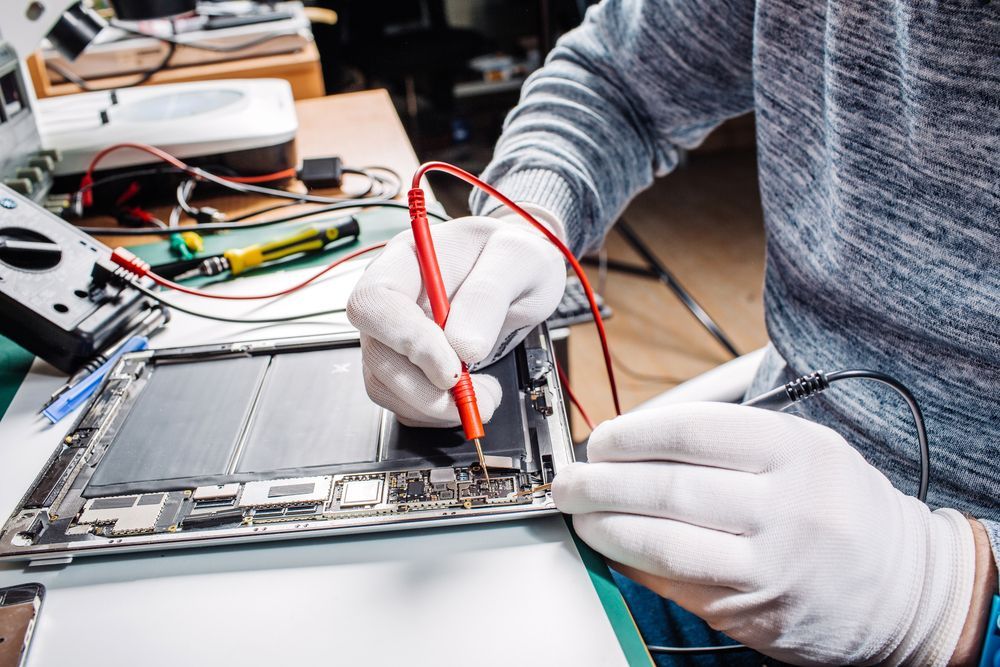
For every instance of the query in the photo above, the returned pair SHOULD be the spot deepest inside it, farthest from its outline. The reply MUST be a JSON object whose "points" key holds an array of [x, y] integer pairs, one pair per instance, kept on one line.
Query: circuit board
{"points": [[326, 498]]}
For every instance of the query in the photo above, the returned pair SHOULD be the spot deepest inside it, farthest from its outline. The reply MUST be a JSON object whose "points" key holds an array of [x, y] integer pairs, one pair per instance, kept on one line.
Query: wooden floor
{"points": [[705, 224]]}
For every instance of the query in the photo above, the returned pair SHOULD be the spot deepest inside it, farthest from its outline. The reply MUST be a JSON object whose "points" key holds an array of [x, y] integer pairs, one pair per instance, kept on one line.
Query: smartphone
{"points": [[19, 607]]}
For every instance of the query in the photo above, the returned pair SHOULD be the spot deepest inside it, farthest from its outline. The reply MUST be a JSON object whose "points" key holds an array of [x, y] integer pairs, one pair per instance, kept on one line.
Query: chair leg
{"points": [[657, 269]]}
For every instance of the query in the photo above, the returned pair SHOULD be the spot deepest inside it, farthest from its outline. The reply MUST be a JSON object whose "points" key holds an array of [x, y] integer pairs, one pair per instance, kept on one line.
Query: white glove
{"points": [[502, 276], [776, 532]]}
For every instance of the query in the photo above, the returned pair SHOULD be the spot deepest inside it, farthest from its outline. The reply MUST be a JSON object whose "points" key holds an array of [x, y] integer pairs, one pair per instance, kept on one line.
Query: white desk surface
{"points": [[500, 594]]}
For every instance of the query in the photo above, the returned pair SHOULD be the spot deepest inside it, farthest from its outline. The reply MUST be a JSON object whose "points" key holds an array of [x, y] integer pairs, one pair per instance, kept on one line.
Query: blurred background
{"points": [[453, 69]]}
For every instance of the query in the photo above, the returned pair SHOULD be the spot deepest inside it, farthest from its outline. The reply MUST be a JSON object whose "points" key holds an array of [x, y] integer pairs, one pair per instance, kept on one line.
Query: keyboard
{"points": [[574, 307]]}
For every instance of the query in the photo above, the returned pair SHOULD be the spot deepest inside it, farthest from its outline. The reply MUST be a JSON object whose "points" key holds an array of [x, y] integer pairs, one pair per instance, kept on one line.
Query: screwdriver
{"points": [[314, 238], [430, 272]]}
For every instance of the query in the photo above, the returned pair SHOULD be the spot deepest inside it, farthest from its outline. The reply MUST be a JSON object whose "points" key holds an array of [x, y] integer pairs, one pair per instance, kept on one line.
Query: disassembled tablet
{"points": [[278, 439]]}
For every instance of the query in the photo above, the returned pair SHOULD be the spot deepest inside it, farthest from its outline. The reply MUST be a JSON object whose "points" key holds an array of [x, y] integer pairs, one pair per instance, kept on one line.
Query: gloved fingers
{"points": [[407, 331], [671, 549], [384, 306], [716, 498], [710, 434], [704, 600], [457, 244], [524, 314], [402, 388], [439, 413], [388, 302], [516, 283]]}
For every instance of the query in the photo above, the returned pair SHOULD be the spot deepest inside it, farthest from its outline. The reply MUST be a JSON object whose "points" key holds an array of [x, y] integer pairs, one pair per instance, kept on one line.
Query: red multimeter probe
{"points": [[430, 272]]}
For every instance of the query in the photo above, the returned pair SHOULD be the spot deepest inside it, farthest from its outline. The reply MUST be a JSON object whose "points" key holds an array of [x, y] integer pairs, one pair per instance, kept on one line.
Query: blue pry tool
{"points": [[84, 389]]}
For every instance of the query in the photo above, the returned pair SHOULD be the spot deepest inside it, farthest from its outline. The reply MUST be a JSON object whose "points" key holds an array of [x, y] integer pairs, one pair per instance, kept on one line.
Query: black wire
{"points": [[250, 188], [918, 417], [262, 211], [228, 226], [695, 650], [397, 180], [374, 183], [238, 320], [390, 192], [390, 188], [215, 48], [332, 204], [78, 80]]}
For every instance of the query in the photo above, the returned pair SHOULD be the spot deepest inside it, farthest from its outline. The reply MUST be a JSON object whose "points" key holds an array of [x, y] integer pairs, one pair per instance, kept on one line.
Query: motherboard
{"points": [[322, 498]]}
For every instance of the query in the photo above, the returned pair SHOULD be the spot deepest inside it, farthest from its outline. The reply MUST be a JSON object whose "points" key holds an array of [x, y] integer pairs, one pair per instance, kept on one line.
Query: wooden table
{"points": [[362, 128], [301, 69]]}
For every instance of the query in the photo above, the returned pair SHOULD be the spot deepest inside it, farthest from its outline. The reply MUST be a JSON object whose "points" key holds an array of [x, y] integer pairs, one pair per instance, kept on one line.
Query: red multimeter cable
{"points": [[430, 271]]}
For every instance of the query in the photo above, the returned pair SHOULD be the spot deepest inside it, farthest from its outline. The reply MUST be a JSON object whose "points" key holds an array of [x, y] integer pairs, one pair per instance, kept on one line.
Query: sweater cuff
{"points": [[542, 188], [993, 532]]}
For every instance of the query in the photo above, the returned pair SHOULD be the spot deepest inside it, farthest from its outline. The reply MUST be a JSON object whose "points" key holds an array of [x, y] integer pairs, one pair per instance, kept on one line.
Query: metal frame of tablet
{"points": [[58, 519]]}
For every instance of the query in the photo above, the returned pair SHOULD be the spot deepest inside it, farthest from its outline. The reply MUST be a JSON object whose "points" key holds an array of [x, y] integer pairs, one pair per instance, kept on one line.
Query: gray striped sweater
{"points": [[878, 127]]}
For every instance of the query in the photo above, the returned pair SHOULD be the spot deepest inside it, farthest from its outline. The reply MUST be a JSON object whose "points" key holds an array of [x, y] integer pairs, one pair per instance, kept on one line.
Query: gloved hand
{"points": [[502, 276], [776, 532]]}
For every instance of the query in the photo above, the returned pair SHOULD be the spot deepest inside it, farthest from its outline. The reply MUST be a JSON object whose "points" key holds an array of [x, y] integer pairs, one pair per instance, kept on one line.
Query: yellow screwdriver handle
{"points": [[309, 239]]}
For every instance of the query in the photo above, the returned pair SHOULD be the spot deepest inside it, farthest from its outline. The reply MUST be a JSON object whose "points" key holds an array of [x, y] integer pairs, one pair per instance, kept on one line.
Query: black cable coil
{"points": [[806, 386]]}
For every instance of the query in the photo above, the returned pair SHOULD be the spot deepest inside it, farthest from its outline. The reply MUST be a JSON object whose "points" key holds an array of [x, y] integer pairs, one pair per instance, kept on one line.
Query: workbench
{"points": [[491, 594]]}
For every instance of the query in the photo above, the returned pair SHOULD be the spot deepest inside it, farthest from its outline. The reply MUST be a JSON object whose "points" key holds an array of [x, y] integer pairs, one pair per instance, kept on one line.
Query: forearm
{"points": [[970, 642], [617, 100]]}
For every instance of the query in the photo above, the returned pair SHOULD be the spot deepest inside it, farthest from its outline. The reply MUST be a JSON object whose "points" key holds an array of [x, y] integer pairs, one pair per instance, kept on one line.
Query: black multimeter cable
{"points": [[808, 386], [227, 226], [237, 320], [800, 389]]}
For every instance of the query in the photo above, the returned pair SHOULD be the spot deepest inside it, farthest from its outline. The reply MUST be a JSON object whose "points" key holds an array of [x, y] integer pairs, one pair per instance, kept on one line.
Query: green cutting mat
{"points": [[377, 225], [14, 364]]}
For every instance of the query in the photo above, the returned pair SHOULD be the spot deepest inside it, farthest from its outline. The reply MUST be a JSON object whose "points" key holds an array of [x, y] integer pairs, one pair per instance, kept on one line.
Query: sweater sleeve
{"points": [[616, 100]]}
